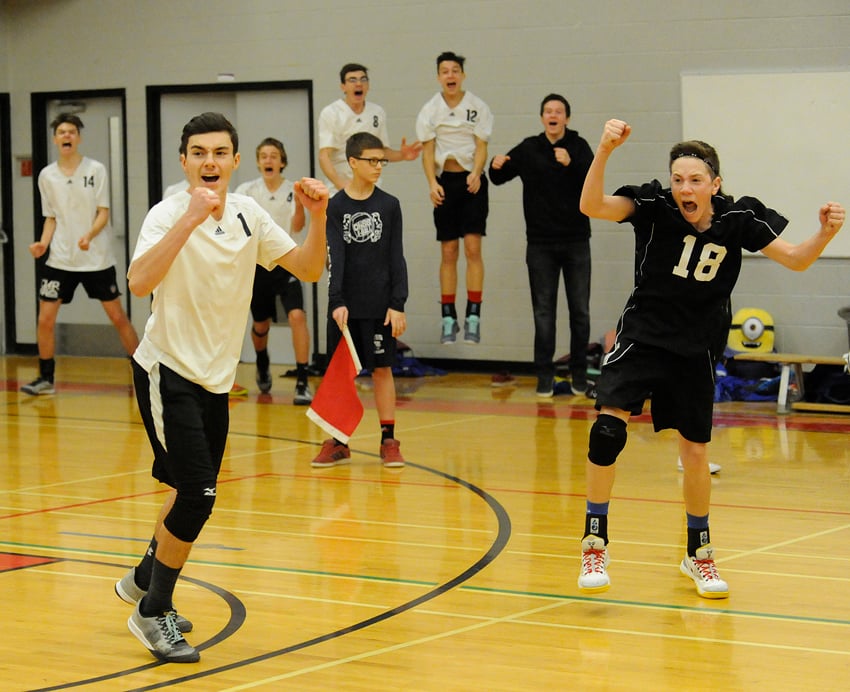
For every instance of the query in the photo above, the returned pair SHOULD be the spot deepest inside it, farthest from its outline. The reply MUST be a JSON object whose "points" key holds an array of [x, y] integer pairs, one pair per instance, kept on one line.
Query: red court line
{"points": [[105, 500], [14, 561], [553, 493], [565, 410]]}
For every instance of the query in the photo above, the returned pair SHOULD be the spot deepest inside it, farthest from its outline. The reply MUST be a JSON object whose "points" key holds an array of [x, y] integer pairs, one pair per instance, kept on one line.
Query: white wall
{"points": [[608, 58]]}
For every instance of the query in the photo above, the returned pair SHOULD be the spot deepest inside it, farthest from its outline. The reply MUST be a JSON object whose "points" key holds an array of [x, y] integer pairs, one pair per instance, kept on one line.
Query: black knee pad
{"points": [[189, 513], [607, 439]]}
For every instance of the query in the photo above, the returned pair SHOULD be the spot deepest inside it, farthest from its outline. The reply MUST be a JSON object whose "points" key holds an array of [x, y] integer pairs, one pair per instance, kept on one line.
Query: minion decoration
{"points": [[751, 331]]}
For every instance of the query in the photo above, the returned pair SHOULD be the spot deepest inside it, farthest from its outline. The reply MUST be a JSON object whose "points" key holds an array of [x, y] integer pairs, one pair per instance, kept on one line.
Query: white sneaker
{"points": [[712, 468], [594, 561], [39, 386], [704, 573]]}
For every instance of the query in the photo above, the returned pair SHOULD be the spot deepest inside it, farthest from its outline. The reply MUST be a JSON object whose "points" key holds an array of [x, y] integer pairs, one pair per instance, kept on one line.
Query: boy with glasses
{"points": [[367, 286], [347, 116]]}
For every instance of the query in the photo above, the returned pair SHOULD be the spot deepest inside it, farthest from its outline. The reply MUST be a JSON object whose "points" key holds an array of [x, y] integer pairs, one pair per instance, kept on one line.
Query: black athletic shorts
{"points": [[186, 425], [461, 212], [270, 284], [374, 342], [681, 389], [60, 284]]}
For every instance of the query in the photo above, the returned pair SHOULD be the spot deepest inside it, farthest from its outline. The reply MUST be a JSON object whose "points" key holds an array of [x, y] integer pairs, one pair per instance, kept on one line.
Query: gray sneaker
{"points": [[472, 329], [449, 330], [161, 636], [129, 592], [39, 386]]}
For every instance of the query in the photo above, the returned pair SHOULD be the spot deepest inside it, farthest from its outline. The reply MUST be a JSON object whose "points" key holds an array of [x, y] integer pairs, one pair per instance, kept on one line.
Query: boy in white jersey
{"points": [[75, 203], [196, 254], [276, 195], [454, 127], [349, 115]]}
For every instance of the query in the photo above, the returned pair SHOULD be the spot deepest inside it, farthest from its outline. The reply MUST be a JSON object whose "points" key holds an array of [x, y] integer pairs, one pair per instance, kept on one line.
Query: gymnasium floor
{"points": [[456, 573]]}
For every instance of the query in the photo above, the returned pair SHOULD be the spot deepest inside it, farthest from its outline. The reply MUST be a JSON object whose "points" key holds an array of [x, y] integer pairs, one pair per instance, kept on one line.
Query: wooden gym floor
{"points": [[457, 573]]}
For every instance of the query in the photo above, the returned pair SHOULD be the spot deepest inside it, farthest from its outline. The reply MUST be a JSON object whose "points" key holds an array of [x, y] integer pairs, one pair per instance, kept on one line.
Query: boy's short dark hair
{"points": [[277, 144], [351, 67], [555, 97], [208, 122], [360, 142], [449, 56], [69, 118]]}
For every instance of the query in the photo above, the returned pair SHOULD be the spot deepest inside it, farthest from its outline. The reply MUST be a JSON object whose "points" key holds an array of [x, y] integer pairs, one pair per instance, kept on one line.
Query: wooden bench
{"points": [[797, 361]]}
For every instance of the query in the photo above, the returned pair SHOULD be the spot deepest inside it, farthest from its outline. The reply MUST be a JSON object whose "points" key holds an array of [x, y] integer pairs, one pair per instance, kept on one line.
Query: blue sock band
{"points": [[697, 522], [601, 508]]}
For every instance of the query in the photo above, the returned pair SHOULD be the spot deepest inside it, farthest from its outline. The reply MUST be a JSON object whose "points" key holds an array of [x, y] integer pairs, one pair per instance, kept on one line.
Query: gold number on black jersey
{"points": [[709, 262]]}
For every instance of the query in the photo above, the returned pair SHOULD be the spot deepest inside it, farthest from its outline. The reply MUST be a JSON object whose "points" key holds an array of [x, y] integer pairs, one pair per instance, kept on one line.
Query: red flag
{"points": [[336, 408]]}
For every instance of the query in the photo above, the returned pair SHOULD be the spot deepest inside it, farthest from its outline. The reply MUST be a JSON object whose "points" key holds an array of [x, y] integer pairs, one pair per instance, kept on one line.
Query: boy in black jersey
{"points": [[367, 286], [689, 240]]}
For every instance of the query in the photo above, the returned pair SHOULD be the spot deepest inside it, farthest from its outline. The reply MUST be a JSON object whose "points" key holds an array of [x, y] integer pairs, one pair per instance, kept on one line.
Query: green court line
{"points": [[474, 589]]}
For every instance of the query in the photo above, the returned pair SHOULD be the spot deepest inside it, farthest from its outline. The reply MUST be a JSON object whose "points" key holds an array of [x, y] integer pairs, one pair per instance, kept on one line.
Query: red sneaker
{"points": [[331, 454], [391, 454]]}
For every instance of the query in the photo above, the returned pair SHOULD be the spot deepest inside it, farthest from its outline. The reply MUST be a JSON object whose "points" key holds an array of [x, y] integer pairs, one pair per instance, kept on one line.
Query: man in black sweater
{"points": [[552, 167]]}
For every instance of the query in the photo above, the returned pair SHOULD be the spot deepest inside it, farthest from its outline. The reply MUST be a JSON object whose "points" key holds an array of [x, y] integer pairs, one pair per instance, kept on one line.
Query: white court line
{"points": [[389, 649]]}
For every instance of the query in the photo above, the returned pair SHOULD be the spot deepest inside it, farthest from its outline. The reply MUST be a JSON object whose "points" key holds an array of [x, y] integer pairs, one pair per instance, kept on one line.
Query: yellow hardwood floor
{"points": [[456, 573]]}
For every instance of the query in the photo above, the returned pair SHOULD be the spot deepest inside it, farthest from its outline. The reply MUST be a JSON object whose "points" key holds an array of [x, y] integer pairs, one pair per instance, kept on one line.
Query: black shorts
{"points": [[461, 212], [270, 284], [60, 284], [681, 388], [186, 425], [374, 341]]}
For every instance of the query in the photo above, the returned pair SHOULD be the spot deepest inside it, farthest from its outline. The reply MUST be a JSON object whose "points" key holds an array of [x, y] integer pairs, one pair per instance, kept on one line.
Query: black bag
{"points": [[828, 384]]}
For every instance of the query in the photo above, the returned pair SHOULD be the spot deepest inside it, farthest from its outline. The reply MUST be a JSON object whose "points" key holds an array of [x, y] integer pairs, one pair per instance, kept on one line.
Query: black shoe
{"points": [[264, 380], [545, 386], [303, 395]]}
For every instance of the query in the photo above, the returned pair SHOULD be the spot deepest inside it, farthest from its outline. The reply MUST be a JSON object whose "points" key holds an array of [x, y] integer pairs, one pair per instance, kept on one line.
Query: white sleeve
{"points": [[102, 190], [484, 126], [327, 129], [425, 131]]}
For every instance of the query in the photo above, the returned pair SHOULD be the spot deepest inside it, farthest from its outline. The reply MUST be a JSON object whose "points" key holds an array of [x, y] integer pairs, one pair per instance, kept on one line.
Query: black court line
{"points": [[234, 622], [498, 545]]}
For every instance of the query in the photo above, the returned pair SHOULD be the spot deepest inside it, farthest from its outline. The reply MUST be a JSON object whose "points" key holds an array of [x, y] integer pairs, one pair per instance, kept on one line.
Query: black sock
{"points": [[449, 310], [263, 360], [158, 599], [47, 368], [301, 373], [387, 431], [596, 525], [145, 567], [697, 538], [473, 309]]}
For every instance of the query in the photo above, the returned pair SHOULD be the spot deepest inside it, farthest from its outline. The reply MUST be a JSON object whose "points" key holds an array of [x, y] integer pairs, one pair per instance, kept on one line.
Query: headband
{"points": [[697, 156]]}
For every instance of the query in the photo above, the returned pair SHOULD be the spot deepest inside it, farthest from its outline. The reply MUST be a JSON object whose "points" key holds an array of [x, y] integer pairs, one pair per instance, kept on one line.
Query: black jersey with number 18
{"points": [[683, 277]]}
